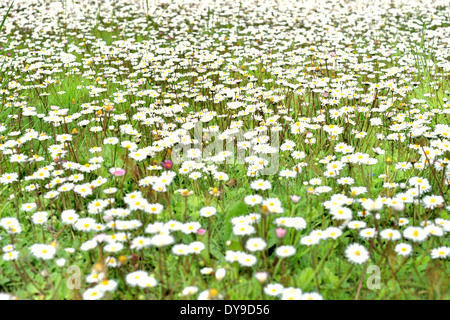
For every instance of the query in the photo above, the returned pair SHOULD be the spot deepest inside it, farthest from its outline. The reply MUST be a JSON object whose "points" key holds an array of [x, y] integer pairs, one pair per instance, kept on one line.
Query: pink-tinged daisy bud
{"points": [[107, 218], [295, 198], [117, 172], [201, 232], [167, 164], [261, 276], [220, 273], [399, 206], [280, 232], [100, 238]]}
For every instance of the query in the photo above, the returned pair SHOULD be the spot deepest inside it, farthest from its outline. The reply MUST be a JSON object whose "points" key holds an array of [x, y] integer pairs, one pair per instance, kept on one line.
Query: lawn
{"points": [[192, 149]]}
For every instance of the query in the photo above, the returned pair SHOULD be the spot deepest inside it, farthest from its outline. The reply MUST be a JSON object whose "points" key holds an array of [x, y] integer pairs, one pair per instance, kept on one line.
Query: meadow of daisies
{"points": [[327, 129]]}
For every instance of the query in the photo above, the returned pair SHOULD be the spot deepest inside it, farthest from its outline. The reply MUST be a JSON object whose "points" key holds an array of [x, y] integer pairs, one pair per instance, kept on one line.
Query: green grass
{"points": [[321, 268]]}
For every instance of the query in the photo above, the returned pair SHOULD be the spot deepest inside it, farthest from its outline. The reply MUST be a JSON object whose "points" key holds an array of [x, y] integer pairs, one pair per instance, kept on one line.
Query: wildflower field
{"points": [[223, 149]]}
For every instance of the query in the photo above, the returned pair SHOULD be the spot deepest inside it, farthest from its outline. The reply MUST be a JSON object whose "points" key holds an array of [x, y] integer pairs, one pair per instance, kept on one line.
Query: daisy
{"points": [[403, 249], [83, 190], [88, 245], [255, 244], [273, 289], [190, 227], [139, 243], [243, 229], [273, 205], [356, 253], [390, 234], [332, 232], [8, 178], [261, 185], [291, 294], [27, 207], [153, 208], [415, 234], [434, 230], [285, 251], [188, 291], [309, 240], [162, 240], [311, 296], [440, 253], [181, 250], [93, 294], [136, 278], [431, 202], [253, 200], [208, 212], [247, 260], [107, 285], [403, 221], [196, 247], [11, 255], [341, 213], [367, 233], [42, 251]]}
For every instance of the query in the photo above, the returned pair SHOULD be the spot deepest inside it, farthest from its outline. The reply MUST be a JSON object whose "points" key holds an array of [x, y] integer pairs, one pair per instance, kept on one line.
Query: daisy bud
{"points": [[388, 161], [117, 172], [213, 293], [45, 273], [60, 262], [107, 218], [74, 131], [261, 276], [264, 209], [399, 206], [201, 232], [403, 185], [295, 198], [123, 259], [167, 164], [280, 232], [100, 237], [220, 273]]}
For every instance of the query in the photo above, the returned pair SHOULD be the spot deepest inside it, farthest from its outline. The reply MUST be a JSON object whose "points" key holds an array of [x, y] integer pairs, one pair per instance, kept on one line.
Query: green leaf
{"points": [[215, 252], [306, 277], [235, 246], [31, 289], [6, 15], [238, 209], [330, 276]]}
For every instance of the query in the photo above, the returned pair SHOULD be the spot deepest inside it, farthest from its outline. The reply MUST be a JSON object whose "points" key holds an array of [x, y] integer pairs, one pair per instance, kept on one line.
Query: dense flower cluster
{"points": [[334, 115]]}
